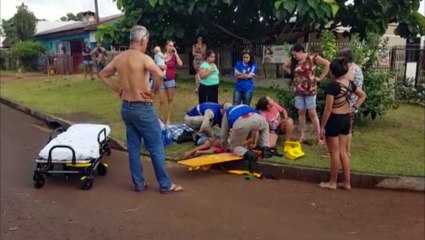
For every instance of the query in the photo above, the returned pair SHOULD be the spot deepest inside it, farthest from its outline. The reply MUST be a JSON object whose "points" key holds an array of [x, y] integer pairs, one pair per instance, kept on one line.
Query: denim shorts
{"points": [[168, 84], [305, 102]]}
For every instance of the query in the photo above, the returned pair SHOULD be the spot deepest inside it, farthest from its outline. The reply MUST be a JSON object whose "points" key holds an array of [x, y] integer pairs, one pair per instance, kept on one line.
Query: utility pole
{"points": [[97, 11]]}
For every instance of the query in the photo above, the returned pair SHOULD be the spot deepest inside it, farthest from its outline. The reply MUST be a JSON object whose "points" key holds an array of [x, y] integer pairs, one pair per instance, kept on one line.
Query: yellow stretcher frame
{"points": [[205, 162]]}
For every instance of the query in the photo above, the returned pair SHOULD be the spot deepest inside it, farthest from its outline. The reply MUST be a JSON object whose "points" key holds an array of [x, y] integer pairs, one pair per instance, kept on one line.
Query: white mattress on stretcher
{"points": [[82, 138]]}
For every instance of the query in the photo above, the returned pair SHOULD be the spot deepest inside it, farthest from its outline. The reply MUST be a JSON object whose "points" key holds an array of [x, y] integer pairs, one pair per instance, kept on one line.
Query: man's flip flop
{"points": [[327, 186], [174, 188]]}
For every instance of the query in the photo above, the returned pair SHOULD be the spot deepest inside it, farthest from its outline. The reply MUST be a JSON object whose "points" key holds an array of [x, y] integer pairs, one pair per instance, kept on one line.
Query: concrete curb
{"points": [[270, 170]]}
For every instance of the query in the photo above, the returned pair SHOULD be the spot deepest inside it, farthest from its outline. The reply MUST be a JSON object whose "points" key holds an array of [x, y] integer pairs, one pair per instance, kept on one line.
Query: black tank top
{"points": [[340, 92]]}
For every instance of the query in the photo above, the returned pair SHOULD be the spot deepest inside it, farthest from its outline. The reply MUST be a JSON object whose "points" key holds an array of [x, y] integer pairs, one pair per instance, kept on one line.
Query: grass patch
{"points": [[393, 144]]}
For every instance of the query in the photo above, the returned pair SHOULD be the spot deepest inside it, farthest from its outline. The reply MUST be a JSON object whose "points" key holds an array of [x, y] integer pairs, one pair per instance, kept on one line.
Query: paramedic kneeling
{"points": [[242, 120], [204, 116], [137, 111]]}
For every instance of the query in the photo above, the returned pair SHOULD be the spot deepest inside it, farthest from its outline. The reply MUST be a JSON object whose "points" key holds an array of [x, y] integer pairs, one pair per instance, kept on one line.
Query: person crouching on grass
{"points": [[336, 120], [277, 117]]}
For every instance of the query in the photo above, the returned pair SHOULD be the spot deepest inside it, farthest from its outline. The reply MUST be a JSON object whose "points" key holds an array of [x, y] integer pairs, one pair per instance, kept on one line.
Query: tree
{"points": [[224, 21], [257, 21], [25, 22], [9, 32], [72, 17], [366, 17], [20, 27]]}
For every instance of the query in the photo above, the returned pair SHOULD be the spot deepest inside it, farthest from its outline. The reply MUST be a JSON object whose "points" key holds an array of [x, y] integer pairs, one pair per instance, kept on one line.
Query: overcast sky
{"points": [[54, 9]]}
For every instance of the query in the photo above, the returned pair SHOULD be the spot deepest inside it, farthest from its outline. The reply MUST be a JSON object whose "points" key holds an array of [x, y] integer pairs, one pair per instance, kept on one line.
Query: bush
{"points": [[286, 98], [407, 92], [28, 52], [379, 93]]}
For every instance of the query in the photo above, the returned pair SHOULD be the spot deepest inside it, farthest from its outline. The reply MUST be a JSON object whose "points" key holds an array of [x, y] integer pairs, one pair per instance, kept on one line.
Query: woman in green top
{"points": [[208, 87]]}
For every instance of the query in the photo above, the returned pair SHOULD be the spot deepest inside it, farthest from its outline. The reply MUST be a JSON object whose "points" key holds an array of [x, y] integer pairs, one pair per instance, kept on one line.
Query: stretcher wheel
{"points": [[38, 180], [206, 167], [86, 183], [102, 169]]}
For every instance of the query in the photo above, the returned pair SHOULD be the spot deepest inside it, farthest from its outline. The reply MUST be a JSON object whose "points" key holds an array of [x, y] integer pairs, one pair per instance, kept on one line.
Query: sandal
{"points": [[343, 186], [327, 185], [174, 188], [145, 187], [325, 155]]}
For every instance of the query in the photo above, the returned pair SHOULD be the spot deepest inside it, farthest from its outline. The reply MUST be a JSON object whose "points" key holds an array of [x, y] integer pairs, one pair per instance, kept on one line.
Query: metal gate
{"points": [[408, 64]]}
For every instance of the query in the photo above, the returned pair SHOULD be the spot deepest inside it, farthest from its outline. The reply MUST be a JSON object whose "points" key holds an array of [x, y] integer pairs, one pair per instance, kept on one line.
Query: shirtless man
{"points": [[137, 111]]}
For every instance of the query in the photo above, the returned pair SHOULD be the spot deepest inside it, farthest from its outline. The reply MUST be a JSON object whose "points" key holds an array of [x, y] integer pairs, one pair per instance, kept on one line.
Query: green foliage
{"points": [[365, 17], [227, 21], [412, 26], [286, 98], [407, 92], [25, 22], [5, 59], [72, 17], [20, 27], [287, 49], [308, 13], [28, 52], [9, 32], [380, 95], [221, 21], [328, 41], [113, 33], [357, 48]]}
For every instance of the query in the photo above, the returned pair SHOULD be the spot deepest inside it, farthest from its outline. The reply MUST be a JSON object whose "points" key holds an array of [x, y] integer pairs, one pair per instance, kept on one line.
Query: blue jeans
{"points": [[242, 96], [141, 122]]}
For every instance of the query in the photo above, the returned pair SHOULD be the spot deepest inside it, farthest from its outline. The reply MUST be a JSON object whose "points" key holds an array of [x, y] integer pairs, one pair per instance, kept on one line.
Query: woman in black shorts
{"points": [[336, 121]]}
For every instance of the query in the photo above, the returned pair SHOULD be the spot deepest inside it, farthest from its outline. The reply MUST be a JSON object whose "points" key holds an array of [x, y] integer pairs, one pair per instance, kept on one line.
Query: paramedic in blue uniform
{"points": [[242, 119], [204, 116], [137, 110], [245, 71]]}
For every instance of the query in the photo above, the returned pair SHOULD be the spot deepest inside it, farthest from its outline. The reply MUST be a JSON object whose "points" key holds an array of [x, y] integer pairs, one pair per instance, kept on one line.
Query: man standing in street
{"points": [[137, 110]]}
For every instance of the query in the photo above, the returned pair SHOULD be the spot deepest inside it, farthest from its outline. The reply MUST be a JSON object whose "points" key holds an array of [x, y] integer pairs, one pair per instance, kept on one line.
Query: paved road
{"points": [[214, 205]]}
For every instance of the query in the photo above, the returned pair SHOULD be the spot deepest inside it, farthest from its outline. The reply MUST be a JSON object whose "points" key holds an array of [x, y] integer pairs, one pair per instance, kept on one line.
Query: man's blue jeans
{"points": [[242, 96], [141, 122]]}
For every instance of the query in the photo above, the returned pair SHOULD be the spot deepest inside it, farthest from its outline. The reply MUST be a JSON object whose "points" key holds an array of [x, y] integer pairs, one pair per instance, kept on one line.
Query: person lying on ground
{"points": [[213, 145]]}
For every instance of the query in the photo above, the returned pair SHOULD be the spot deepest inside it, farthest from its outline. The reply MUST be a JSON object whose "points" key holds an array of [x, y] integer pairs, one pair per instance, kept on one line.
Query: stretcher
{"points": [[204, 163], [76, 150]]}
